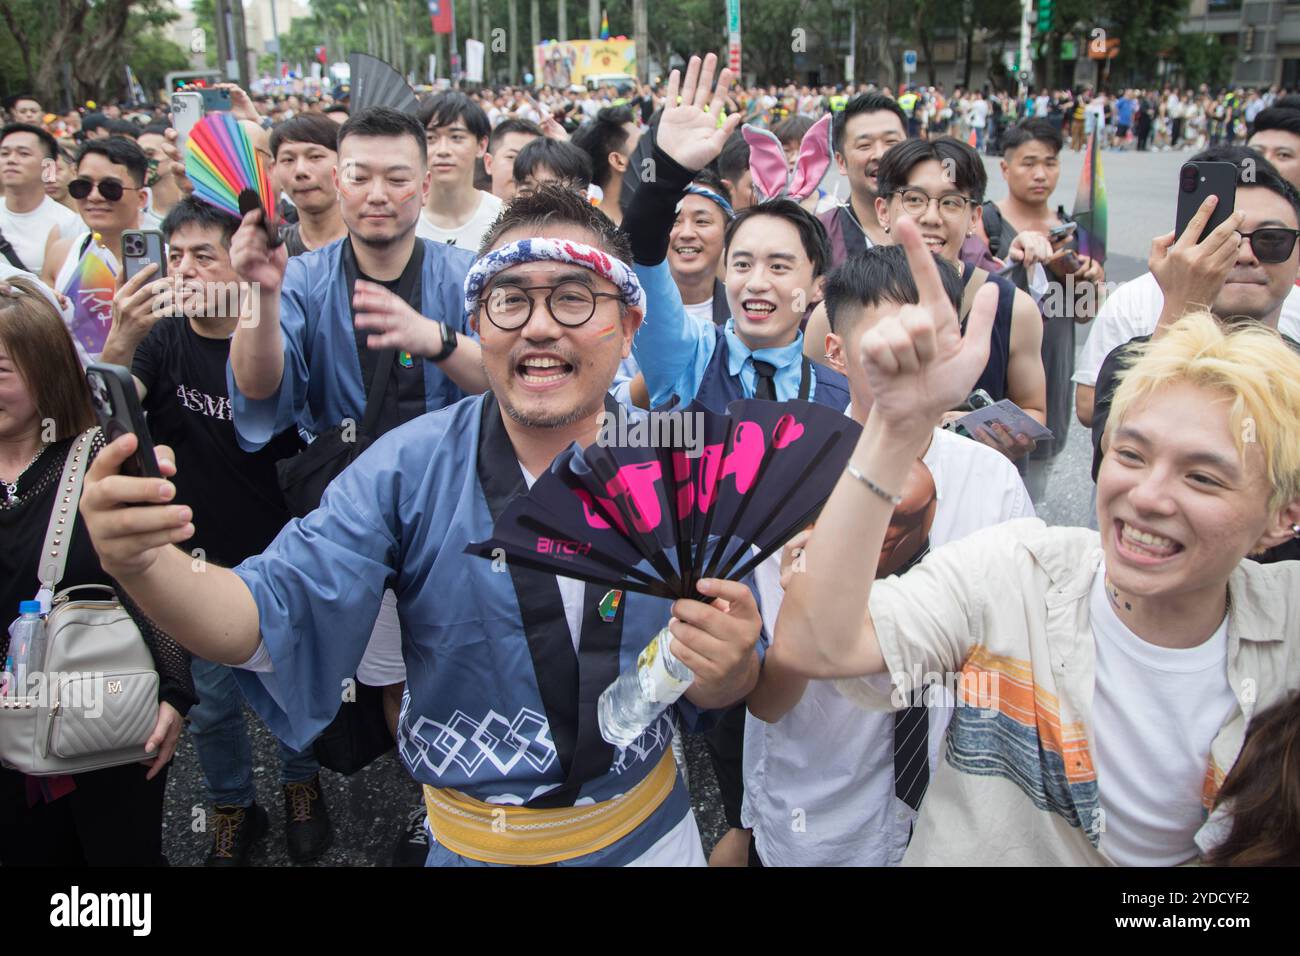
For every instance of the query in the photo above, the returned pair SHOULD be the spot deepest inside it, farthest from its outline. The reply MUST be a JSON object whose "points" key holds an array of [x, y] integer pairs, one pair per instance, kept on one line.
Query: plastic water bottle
{"points": [[634, 701], [26, 646]]}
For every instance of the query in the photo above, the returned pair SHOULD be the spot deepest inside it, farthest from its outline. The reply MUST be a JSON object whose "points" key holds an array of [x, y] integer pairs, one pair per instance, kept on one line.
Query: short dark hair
{"points": [[12, 102], [552, 205], [120, 151], [566, 161], [444, 108], [1289, 102], [1278, 118], [812, 234], [315, 128], [1253, 170], [864, 103], [968, 170], [512, 125], [1032, 130], [384, 121], [155, 129], [601, 136], [191, 212], [711, 180], [48, 141], [336, 108], [123, 128], [791, 130], [733, 161], [880, 274], [94, 121]]}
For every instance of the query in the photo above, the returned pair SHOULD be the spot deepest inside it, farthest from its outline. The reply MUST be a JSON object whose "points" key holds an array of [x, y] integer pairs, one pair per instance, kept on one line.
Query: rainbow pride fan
{"points": [[228, 172]]}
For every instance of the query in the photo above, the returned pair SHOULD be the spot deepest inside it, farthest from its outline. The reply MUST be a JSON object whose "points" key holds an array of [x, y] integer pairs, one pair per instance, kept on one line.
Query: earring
{"points": [[1295, 530], [886, 230]]}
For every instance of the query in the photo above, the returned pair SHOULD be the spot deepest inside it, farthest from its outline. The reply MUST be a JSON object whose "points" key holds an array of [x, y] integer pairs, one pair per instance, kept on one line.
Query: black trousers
{"points": [[726, 742], [113, 818]]}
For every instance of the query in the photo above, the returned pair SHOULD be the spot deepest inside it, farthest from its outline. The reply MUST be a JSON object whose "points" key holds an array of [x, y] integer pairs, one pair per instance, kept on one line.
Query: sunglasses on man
{"points": [[110, 190], [1272, 244]]}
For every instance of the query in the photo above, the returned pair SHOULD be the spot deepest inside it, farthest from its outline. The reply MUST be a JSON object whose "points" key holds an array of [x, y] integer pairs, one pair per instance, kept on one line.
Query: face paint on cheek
{"points": [[608, 331], [349, 188]]}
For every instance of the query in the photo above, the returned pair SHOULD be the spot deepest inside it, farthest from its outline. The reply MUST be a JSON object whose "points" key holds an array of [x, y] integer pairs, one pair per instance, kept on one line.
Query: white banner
{"points": [[474, 61]]}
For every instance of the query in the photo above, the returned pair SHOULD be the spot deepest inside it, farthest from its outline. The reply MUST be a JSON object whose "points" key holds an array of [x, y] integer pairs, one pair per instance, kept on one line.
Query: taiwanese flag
{"points": [[440, 14]]}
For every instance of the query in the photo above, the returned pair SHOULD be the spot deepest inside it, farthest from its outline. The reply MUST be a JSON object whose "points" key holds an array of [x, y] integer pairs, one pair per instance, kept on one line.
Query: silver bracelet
{"points": [[879, 492]]}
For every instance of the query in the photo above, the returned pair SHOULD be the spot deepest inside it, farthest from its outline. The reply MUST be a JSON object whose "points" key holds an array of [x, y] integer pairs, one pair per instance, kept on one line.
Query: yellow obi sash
{"points": [[520, 836]]}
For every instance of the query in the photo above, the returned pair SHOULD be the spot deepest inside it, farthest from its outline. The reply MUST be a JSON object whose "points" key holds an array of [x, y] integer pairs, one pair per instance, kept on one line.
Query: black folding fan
{"points": [[375, 83], [687, 495]]}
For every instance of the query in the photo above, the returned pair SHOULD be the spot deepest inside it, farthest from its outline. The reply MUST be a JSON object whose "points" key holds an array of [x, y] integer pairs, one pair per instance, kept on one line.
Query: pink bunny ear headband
{"points": [[768, 168]]}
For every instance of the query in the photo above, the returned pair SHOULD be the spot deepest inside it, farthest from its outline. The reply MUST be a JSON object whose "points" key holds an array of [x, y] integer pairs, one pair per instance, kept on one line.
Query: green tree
{"points": [[94, 41]]}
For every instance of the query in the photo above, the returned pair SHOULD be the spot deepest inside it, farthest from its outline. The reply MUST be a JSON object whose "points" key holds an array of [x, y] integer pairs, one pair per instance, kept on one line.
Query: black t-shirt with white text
{"points": [[235, 495]]}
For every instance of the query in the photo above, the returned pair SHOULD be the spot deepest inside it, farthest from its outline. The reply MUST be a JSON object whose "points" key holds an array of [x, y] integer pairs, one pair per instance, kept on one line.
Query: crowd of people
{"points": [[928, 674]]}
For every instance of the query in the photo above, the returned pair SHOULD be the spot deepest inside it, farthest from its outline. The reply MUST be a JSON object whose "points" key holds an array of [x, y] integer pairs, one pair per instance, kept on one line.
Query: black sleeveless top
{"points": [[994, 377]]}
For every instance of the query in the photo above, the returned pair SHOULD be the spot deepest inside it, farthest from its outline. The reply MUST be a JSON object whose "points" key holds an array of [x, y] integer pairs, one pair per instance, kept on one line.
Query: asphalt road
{"points": [[369, 808]]}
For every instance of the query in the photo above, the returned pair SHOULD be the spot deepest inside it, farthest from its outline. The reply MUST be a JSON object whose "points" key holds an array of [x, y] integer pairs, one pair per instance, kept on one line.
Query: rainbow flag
{"points": [[604, 24], [90, 290], [1090, 204]]}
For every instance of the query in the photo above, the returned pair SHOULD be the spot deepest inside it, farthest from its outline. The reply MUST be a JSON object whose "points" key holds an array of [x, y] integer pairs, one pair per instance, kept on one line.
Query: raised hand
{"points": [[131, 520], [689, 131], [172, 149], [137, 306], [1191, 270], [253, 257], [917, 362]]}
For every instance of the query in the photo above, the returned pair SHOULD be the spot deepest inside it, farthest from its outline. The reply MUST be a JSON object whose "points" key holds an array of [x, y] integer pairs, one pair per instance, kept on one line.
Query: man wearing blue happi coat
{"points": [[504, 664], [327, 319]]}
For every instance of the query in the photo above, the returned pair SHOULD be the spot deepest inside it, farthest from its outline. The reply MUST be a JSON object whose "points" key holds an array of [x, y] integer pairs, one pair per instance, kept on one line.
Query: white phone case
{"points": [[187, 110]]}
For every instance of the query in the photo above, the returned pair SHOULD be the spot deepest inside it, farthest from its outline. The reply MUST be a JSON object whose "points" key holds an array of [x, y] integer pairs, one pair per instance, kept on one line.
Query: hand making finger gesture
{"points": [[917, 361]]}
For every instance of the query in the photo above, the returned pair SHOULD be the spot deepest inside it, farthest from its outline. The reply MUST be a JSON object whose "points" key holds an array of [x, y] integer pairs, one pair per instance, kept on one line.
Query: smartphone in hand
{"points": [[187, 110], [117, 404], [215, 100], [1062, 232], [1196, 183], [139, 248]]}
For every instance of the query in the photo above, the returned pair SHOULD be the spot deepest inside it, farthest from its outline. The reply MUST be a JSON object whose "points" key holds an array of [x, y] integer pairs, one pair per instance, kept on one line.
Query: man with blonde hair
{"points": [[1104, 680]]}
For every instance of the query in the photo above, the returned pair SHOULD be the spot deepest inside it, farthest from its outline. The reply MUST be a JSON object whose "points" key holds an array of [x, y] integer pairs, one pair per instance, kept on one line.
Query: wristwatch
{"points": [[448, 343]]}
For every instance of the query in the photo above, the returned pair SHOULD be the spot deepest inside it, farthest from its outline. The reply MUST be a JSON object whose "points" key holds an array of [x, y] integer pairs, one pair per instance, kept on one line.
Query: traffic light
{"points": [[1045, 15]]}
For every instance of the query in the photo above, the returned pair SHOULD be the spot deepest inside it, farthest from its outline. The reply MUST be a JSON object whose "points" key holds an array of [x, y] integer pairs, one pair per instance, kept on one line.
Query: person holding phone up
{"points": [[1243, 271], [101, 817], [1253, 287], [175, 335]]}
